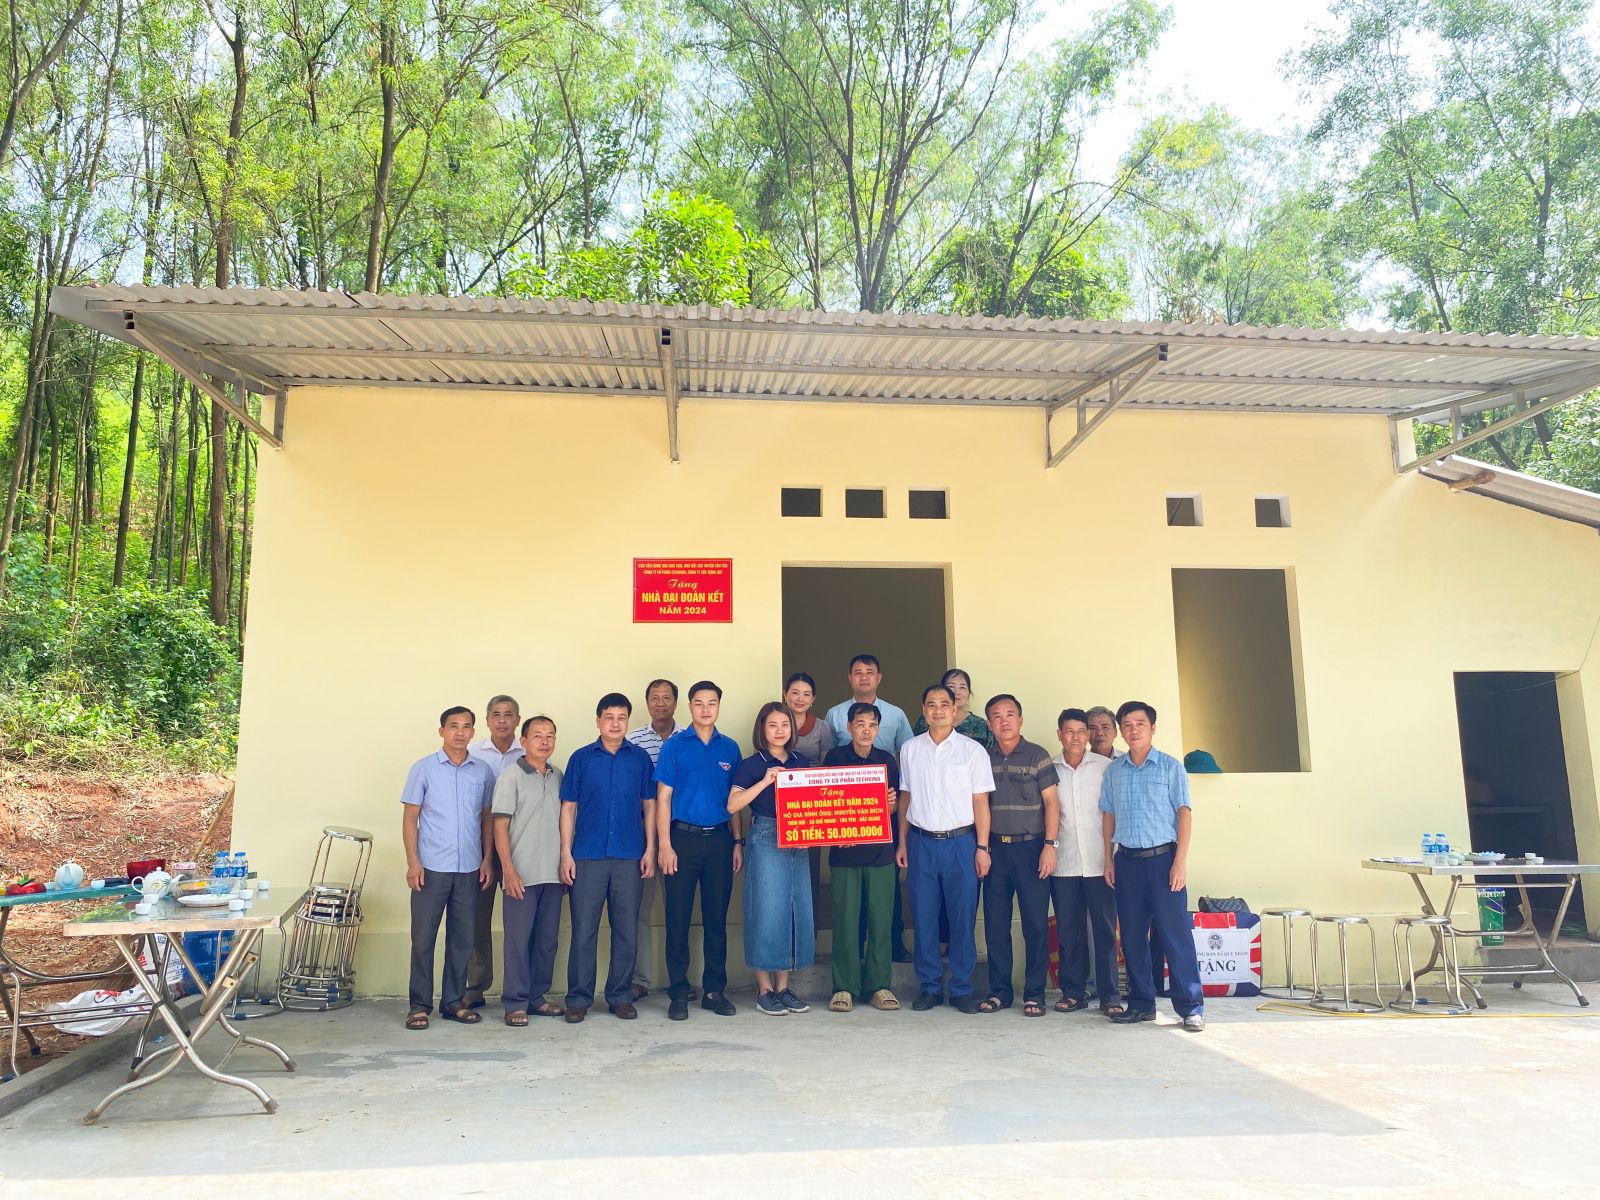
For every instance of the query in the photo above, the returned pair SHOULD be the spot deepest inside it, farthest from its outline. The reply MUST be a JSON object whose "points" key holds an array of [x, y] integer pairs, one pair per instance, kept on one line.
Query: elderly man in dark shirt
{"points": [[1024, 818], [865, 882]]}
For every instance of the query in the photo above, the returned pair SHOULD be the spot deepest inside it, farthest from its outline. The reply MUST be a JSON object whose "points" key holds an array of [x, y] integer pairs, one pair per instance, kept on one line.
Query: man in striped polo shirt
{"points": [[661, 702], [1024, 818]]}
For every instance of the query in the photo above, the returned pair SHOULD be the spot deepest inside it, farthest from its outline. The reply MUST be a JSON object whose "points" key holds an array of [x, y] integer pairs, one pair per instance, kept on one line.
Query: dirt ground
{"points": [[101, 822]]}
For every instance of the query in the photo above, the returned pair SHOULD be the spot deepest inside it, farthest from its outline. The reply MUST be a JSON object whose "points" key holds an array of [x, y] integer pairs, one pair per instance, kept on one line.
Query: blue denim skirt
{"points": [[779, 931]]}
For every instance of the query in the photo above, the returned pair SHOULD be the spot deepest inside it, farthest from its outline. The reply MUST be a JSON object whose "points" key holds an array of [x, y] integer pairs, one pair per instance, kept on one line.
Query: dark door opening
{"points": [[897, 613], [831, 614], [1515, 767]]}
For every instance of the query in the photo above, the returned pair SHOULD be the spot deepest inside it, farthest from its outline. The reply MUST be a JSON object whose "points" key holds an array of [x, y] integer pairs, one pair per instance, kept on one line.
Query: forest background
{"points": [[883, 155]]}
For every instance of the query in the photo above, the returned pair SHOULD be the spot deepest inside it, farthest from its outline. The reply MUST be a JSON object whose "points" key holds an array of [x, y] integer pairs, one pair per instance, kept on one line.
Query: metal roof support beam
{"points": [[1476, 401], [1457, 444], [669, 387], [195, 371], [1120, 384]]}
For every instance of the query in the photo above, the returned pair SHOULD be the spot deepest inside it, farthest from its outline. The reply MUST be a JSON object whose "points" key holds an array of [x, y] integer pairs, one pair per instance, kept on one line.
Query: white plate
{"points": [[203, 900], [1485, 858]]}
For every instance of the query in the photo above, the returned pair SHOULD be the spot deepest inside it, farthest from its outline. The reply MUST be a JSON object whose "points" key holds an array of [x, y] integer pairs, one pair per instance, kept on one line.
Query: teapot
{"points": [[154, 885], [69, 876]]}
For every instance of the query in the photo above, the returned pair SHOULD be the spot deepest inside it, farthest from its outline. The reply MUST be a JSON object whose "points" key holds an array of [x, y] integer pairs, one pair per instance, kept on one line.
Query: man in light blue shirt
{"points": [[446, 831], [894, 730], [1146, 819], [497, 752]]}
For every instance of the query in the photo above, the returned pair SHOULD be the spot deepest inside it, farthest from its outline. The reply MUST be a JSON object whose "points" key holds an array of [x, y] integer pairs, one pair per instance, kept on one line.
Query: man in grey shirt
{"points": [[527, 838]]}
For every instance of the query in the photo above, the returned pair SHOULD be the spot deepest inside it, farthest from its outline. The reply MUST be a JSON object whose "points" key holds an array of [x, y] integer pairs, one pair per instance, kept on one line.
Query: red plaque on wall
{"points": [[683, 590]]}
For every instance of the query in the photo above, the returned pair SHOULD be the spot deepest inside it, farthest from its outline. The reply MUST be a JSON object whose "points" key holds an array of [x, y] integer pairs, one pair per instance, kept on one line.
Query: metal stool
{"points": [[1444, 937], [1290, 990], [1346, 1002], [318, 971]]}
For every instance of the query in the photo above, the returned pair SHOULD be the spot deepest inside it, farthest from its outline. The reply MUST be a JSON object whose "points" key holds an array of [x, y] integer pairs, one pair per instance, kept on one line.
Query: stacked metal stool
{"points": [[318, 971]]}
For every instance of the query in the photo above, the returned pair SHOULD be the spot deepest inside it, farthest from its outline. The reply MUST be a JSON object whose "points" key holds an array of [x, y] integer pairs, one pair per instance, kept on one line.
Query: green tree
{"points": [[1226, 224], [685, 249], [1473, 145]]}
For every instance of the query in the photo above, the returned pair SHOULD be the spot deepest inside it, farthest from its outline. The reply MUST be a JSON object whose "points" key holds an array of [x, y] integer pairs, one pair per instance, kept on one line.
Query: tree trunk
{"points": [[53, 476], [192, 453], [244, 537], [125, 508], [387, 38]]}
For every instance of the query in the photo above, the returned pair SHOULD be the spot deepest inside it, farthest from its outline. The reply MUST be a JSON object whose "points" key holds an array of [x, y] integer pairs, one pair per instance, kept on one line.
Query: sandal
{"points": [[1113, 1009], [417, 1018], [1033, 1008], [546, 1009], [464, 1015], [516, 1019], [1069, 1004], [841, 1002], [885, 1001], [992, 1005]]}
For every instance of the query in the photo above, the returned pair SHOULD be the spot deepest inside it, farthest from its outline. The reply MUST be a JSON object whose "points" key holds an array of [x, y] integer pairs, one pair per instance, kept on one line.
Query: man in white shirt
{"points": [[1102, 724], [945, 781], [1084, 903], [497, 752], [661, 702]]}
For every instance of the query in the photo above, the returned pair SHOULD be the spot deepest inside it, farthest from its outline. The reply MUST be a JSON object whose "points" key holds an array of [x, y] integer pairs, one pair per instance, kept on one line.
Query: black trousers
{"points": [[705, 861], [1014, 876], [443, 892], [1077, 897]]}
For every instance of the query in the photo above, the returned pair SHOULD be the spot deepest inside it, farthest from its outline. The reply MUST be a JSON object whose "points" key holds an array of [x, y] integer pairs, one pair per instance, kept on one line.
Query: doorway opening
{"points": [[1515, 768], [830, 614], [898, 613]]}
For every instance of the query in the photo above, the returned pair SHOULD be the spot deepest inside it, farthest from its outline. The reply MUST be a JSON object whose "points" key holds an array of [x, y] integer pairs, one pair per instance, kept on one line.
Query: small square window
{"points": [[930, 504], [863, 502], [1184, 510], [1272, 512], [801, 502]]}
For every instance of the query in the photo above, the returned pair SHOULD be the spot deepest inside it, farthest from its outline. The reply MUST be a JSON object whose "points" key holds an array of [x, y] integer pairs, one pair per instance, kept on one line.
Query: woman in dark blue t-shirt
{"points": [[779, 934]]}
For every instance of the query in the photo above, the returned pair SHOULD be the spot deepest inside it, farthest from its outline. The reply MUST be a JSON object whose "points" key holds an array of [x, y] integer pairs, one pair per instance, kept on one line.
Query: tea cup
{"points": [[144, 908]]}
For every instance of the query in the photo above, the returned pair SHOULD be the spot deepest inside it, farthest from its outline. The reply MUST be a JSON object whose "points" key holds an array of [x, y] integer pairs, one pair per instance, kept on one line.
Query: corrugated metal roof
{"points": [[279, 339], [1513, 487]]}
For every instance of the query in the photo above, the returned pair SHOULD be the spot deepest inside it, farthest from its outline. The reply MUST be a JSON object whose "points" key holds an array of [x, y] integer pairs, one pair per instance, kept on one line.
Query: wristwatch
{"points": [[738, 841], [985, 849], [1053, 843]]}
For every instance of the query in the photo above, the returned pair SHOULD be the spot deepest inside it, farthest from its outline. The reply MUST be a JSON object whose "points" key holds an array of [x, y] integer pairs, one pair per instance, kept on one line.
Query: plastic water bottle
{"points": [[1441, 848], [241, 865], [1427, 848]]}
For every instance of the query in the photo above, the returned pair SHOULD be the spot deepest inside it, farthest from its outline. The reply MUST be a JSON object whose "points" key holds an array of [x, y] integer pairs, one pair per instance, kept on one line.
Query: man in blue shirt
{"points": [[608, 849], [1146, 819], [693, 778], [446, 832], [866, 677]]}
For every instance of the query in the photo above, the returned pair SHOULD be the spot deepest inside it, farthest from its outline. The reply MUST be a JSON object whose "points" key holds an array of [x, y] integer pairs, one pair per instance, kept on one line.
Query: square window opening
{"points": [[1239, 681], [1272, 512], [929, 504], [863, 502], [801, 502], [1184, 510]]}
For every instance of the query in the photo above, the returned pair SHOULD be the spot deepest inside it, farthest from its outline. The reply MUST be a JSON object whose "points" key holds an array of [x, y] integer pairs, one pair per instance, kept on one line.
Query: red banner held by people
{"points": [[832, 806], [683, 590]]}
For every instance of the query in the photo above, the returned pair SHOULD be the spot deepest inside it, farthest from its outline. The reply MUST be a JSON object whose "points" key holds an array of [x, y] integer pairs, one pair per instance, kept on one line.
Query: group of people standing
{"points": [[977, 813]]}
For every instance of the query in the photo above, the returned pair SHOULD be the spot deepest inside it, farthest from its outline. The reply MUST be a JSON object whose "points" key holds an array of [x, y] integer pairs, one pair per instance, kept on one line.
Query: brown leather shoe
{"points": [[624, 1010], [639, 992], [574, 1015]]}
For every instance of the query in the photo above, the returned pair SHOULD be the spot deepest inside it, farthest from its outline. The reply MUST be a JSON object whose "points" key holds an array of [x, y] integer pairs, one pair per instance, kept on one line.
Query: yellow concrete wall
{"points": [[416, 549]]}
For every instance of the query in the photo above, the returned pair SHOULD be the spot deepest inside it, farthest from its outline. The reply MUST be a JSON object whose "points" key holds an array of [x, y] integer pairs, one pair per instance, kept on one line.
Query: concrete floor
{"points": [[869, 1103]]}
